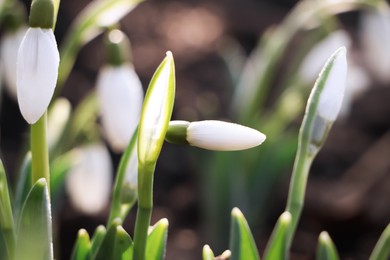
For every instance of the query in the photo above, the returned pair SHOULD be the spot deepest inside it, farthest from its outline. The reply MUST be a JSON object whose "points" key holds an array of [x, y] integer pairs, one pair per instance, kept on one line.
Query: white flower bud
{"points": [[89, 181], [9, 53], [121, 96], [222, 136], [317, 56], [37, 71], [331, 97]]}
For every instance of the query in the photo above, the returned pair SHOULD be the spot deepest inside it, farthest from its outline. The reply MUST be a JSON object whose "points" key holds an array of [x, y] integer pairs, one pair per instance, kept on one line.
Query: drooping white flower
{"points": [[9, 53], [331, 97], [318, 55], [375, 37], [89, 182], [222, 136], [37, 71], [121, 96]]}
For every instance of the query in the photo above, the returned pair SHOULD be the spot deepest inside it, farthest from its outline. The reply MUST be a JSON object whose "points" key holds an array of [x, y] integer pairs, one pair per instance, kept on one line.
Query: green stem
{"points": [[39, 151], [116, 205], [382, 247], [145, 205]]}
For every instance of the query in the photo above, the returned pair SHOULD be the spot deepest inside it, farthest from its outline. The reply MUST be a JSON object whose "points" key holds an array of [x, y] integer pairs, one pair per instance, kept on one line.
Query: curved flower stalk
{"points": [[214, 135], [89, 182], [323, 107], [375, 37], [9, 52], [120, 93]]}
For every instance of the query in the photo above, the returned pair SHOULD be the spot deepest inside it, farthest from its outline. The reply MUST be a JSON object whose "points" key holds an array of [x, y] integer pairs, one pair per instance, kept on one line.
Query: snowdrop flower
{"points": [[318, 55], [9, 53], [37, 62], [121, 95], [89, 182], [375, 37], [332, 94], [214, 135]]}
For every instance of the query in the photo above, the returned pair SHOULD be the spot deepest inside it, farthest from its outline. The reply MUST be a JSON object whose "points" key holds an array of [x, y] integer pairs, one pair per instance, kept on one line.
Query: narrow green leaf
{"points": [[123, 243], [34, 236], [115, 243], [326, 249], [207, 253], [157, 240], [90, 23], [277, 247], [7, 228], [382, 248], [23, 185], [82, 246], [59, 169], [242, 244], [97, 240]]}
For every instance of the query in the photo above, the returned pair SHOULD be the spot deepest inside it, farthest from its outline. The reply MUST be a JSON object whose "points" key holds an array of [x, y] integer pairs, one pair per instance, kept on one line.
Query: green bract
{"points": [[156, 112], [42, 14]]}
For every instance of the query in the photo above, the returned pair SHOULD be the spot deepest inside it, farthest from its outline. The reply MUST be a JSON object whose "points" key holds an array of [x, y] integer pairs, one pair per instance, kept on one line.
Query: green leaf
{"points": [[23, 185], [7, 227], [242, 244], [82, 246], [382, 248], [207, 253], [97, 240], [115, 243], [59, 169], [90, 23], [157, 240], [326, 250], [123, 245], [277, 247], [34, 236]]}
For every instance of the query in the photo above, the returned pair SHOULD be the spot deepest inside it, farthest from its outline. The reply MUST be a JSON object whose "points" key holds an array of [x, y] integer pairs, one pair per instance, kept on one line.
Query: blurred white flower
{"points": [[37, 71], [319, 54], [121, 95], [222, 136], [89, 182], [331, 97], [375, 37], [9, 52]]}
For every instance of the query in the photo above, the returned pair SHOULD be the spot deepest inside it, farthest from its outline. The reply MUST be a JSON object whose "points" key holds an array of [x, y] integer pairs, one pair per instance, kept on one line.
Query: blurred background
{"points": [[214, 44]]}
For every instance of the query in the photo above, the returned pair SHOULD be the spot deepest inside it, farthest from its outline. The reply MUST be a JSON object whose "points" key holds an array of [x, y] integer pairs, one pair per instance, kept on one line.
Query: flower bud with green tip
{"points": [[214, 135], [37, 62], [120, 93]]}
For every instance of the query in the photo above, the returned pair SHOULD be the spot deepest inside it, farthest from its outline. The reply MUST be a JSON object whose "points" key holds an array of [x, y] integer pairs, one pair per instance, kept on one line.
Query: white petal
{"points": [[332, 95], [9, 53], [89, 182], [318, 55], [121, 96], [223, 136], [37, 71]]}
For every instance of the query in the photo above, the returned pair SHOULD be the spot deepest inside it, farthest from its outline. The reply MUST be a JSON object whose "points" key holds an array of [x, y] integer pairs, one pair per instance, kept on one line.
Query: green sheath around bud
{"points": [[42, 14], [118, 48], [177, 132]]}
